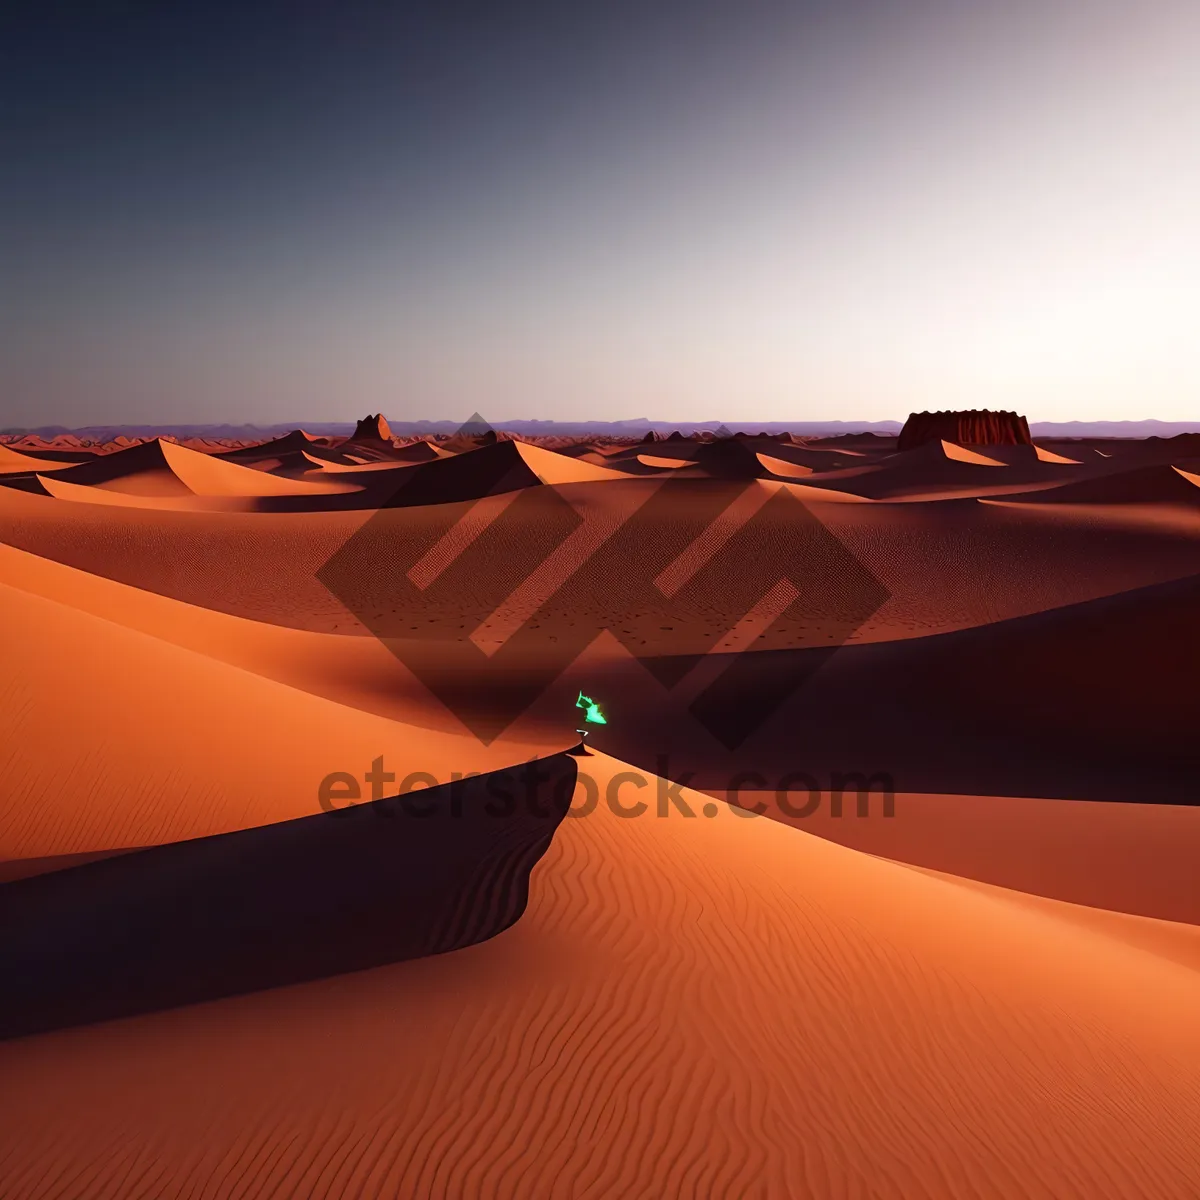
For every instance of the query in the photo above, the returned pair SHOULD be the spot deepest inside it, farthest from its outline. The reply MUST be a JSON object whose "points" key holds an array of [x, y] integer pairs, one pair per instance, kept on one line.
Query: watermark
{"points": [[628, 794], [502, 584]]}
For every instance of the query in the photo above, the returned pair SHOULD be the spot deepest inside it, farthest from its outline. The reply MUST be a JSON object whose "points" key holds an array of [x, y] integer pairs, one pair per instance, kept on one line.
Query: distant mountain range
{"points": [[633, 428]]}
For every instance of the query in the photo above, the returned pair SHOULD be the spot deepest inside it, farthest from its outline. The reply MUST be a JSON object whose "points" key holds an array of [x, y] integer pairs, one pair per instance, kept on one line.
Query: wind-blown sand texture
{"points": [[211, 987]]}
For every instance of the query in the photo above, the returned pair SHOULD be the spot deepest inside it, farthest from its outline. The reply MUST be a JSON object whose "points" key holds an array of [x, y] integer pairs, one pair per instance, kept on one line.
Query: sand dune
{"points": [[189, 501], [813, 494], [358, 467], [162, 470], [164, 499], [290, 443], [360, 672], [558, 469], [867, 1030], [277, 904], [1129, 858], [957, 453], [744, 458], [205, 475], [779, 466], [175, 478], [1093, 700], [15, 461], [1158, 484], [263, 565], [137, 470], [941, 470], [493, 469], [1050, 457], [215, 748], [662, 464]]}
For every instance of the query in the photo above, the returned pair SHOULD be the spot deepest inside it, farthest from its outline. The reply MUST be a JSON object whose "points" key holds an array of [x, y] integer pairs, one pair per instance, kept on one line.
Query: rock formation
{"points": [[969, 427], [372, 429]]}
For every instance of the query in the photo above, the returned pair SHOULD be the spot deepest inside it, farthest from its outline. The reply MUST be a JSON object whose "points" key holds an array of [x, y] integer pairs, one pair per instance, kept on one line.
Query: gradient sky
{"points": [[803, 211]]}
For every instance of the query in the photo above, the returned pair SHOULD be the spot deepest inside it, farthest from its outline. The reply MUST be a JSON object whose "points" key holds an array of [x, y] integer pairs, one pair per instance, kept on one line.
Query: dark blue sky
{"points": [[302, 211]]}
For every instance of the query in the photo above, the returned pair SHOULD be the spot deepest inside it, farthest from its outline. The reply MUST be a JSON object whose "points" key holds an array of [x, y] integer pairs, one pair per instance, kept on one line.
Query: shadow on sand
{"points": [[218, 916]]}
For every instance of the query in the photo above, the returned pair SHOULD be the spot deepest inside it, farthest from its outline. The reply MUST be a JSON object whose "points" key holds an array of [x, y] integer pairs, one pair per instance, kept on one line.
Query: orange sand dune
{"points": [[324, 467], [1131, 858], [819, 458], [663, 464], [117, 739], [263, 565], [136, 470], [957, 453], [719, 1007], [1174, 941], [205, 475], [277, 904], [209, 558], [164, 501], [558, 469], [357, 671], [413, 452], [186, 502], [813, 495], [1157, 484], [1094, 700], [494, 469], [778, 466], [942, 470], [295, 441], [1050, 457], [740, 458], [162, 472], [14, 461]]}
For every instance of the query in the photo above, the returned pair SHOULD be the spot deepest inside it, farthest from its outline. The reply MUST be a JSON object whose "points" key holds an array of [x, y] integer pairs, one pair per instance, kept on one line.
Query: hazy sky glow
{"points": [[747, 211]]}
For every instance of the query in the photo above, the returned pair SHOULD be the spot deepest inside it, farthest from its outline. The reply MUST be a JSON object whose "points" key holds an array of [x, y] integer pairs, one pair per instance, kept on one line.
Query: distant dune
{"points": [[489, 470], [161, 473], [1138, 485]]}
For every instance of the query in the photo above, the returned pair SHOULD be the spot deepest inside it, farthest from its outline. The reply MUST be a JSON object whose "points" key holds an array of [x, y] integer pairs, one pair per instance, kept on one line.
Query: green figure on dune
{"points": [[592, 715]]}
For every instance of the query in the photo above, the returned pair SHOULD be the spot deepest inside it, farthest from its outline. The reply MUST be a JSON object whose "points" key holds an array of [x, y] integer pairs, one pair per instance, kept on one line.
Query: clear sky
{"points": [[745, 211]]}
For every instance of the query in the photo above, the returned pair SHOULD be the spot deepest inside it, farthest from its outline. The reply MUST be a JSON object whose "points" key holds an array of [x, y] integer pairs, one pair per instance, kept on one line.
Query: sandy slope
{"points": [[164, 475], [1131, 858], [206, 475], [957, 453], [718, 1007], [13, 462], [1136, 858], [134, 470], [783, 468], [175, 501], [558, 469], [1051, 457], [357, 671], [1157, 484], [116, 739], [263, 565], [944, 470]]}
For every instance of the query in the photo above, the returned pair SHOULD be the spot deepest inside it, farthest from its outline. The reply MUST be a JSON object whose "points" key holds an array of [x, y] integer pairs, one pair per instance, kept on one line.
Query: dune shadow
{"points": [[342, 890]]}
